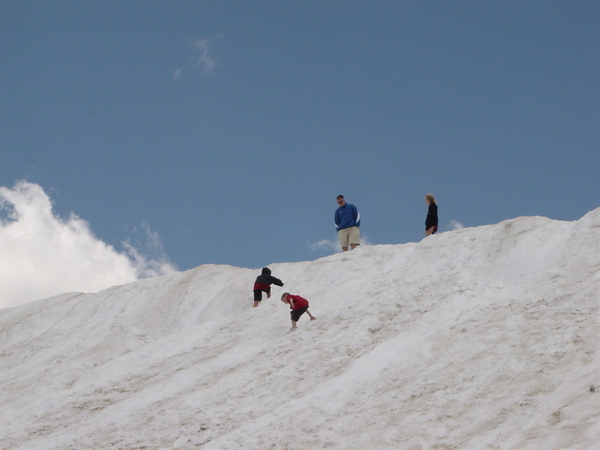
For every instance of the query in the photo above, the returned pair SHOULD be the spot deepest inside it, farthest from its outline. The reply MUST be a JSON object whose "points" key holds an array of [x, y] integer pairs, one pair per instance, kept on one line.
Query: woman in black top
{"points": [[431, 222]]}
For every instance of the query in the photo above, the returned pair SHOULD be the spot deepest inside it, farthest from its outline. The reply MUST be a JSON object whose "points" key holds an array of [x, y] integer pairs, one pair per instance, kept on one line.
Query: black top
{"points": [[266, 278], [432, 216]]}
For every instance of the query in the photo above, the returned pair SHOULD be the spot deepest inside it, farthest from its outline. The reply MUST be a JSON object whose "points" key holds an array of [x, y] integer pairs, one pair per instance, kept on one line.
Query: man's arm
{"points": [[356, 216]]}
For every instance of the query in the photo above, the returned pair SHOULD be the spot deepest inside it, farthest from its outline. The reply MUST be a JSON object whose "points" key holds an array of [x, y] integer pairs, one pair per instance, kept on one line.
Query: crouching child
{"points": [[298, 305]]}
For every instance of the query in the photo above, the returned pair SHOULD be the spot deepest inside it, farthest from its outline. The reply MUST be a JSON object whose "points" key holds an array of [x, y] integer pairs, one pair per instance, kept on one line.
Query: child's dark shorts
{"points": [[258, 294], [296, 313]]}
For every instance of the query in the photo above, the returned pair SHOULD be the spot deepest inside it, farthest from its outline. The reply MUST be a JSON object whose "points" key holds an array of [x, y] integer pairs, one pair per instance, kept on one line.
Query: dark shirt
{"points": [[264, 282], [432, 216]]}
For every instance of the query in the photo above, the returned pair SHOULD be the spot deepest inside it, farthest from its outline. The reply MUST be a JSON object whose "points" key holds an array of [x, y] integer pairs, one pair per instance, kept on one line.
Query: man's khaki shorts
{"points": [[349, 236]]}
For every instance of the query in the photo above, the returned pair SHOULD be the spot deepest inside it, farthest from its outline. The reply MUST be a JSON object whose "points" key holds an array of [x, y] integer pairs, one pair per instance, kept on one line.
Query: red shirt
{"points": [[299, 302]]}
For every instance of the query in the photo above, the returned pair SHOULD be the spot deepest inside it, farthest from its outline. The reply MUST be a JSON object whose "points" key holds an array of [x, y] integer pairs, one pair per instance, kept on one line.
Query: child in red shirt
{"points": [[298, 305]]}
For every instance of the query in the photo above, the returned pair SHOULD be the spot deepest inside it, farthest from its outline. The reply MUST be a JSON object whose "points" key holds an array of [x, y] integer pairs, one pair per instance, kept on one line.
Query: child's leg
{"points": [[257, 298], [296, 314], [310, 315]]}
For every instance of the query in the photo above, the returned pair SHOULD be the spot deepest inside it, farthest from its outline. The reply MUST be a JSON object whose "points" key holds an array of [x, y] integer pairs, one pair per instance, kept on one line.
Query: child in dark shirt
{"points": [[263, 284]]}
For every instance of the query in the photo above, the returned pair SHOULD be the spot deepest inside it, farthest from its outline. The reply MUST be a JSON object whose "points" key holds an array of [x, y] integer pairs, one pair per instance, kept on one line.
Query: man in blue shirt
{"points": [[347, 223]]}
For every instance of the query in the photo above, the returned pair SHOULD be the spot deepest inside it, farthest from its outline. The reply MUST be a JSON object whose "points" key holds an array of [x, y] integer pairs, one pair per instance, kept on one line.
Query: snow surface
{"points": [[480, 338]]}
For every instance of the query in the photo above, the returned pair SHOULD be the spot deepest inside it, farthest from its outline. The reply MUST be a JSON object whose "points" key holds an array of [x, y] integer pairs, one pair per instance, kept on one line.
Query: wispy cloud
{"points": [[325, 245], [200, 57], [455, 225], [147, 253], [42, 254], [333, 246]]}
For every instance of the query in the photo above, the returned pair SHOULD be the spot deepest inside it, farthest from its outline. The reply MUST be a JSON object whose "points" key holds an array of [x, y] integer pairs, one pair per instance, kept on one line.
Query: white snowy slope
{"points": [[481, 338]]}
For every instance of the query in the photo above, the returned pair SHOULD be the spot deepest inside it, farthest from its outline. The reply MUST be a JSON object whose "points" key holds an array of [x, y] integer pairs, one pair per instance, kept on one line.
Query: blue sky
{"points": [[225, 129]]}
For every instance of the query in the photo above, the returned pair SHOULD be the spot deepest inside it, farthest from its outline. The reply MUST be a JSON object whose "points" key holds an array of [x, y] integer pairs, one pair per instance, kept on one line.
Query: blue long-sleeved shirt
{"points": [[346, 216]]}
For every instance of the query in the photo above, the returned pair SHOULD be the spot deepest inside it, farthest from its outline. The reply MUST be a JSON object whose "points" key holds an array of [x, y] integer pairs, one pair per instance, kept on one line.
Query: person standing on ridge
{"points": [[263, 284], [347, 223], [431, 222], [298, 305]]}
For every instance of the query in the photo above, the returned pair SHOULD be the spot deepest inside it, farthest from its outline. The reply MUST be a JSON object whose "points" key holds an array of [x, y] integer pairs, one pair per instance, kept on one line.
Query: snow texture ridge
{"points": [[479, 338]]}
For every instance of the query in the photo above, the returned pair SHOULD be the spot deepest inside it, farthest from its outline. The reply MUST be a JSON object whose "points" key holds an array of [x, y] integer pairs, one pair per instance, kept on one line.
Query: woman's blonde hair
{"points": [[430, 198]]}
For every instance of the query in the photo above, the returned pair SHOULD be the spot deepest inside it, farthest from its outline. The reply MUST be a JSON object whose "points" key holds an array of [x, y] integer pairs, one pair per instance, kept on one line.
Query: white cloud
{"points": [[42, 254], [200, 57], [455, 225]]}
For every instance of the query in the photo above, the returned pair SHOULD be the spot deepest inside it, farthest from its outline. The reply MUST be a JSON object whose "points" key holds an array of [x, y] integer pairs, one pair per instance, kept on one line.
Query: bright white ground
{"points": [[480, 338]]}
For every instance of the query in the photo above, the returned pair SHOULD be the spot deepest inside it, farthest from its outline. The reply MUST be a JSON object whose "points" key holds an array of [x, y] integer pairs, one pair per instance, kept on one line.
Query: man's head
{"points": [[284, 297], [341, 200]]}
